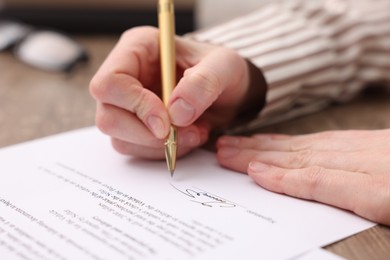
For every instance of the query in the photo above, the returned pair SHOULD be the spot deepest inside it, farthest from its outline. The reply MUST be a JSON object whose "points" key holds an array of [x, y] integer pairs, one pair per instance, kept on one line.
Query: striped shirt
{"points": [[312, 53]]}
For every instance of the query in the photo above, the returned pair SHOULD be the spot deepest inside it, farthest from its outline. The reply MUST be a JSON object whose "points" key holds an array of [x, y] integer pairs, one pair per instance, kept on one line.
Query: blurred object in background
{"points": [[11, 33], [50, 50], [42, 46], [212, 12], [92, 16], [43, 49]]}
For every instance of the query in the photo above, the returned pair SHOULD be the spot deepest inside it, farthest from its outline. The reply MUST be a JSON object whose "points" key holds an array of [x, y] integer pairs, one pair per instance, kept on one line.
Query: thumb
{"points": [[219, 78]]}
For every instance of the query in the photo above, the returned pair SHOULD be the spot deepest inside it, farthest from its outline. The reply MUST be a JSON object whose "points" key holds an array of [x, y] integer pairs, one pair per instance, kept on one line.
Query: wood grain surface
{"points": [[35, 104]]}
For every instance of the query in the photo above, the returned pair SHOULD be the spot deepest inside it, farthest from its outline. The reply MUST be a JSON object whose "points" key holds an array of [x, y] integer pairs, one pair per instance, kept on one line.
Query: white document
{"points": [[71, 196]]}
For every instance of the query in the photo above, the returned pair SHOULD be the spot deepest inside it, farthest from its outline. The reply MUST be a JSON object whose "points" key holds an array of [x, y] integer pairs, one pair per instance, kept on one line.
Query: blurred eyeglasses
{"points": [[44, 49]]}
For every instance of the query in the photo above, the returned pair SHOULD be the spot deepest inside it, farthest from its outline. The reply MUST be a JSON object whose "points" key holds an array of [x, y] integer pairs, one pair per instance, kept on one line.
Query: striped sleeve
{"points": [[312, 53]]}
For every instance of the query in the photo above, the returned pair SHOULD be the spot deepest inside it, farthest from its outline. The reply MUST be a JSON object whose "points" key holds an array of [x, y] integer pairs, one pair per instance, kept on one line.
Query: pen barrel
{"points": [[166, 22]]}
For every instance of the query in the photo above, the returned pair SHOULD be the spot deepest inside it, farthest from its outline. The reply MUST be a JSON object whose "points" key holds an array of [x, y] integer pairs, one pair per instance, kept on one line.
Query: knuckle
{"points": [[300, 159], [127, 33], [231, 55], [298, 145], [94, 87], [138, 31], [207, 80], [313, 178], [140, 103], [380, 208], [105, 121], [100, 88]]}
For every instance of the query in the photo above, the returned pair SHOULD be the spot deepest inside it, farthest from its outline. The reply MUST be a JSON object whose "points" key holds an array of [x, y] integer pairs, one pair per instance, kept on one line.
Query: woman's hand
{"points": [[213, 85], [346, 169]]}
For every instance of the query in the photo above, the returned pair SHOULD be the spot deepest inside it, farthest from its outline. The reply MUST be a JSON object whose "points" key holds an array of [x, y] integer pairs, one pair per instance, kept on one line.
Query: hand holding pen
{"points": [[212, 88]]}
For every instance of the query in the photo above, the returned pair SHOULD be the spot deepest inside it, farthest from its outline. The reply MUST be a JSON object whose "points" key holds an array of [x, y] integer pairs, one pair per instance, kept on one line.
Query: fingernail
{"points": [[256, 166], [189, 139], [229, 141], [181, 112], [228, 152], [156, 125]]}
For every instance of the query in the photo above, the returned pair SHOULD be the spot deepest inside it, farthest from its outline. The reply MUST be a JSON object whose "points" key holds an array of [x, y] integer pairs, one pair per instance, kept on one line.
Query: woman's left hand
{"points": [[345, 169]]}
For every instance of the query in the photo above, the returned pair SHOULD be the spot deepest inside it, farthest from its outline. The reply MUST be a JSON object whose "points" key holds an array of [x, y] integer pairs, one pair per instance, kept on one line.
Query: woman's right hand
{"points": [[213, 85]]}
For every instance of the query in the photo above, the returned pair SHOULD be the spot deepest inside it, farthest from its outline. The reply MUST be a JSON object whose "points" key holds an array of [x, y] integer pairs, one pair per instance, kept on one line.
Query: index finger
{"points": [[136, 54], [129, 73]]}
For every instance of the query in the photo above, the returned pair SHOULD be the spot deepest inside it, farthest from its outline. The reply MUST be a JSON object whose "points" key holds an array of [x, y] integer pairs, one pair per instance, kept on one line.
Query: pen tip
{"points": [[171, 149]]}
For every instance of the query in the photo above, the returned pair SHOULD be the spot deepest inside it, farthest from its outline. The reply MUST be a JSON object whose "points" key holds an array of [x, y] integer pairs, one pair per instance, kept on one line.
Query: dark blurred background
{"points": [[94, 16]]}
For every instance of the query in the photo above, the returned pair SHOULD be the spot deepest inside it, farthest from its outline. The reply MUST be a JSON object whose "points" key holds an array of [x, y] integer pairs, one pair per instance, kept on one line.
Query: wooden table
{"points": [[35, 103]]}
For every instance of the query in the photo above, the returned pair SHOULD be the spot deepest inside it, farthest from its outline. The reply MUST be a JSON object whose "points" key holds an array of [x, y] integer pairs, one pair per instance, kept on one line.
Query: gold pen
{"points": [[166, 22]]}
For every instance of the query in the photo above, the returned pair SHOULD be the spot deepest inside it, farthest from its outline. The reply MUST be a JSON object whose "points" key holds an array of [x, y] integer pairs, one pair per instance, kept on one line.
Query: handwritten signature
{"points": [[205, 198]]}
